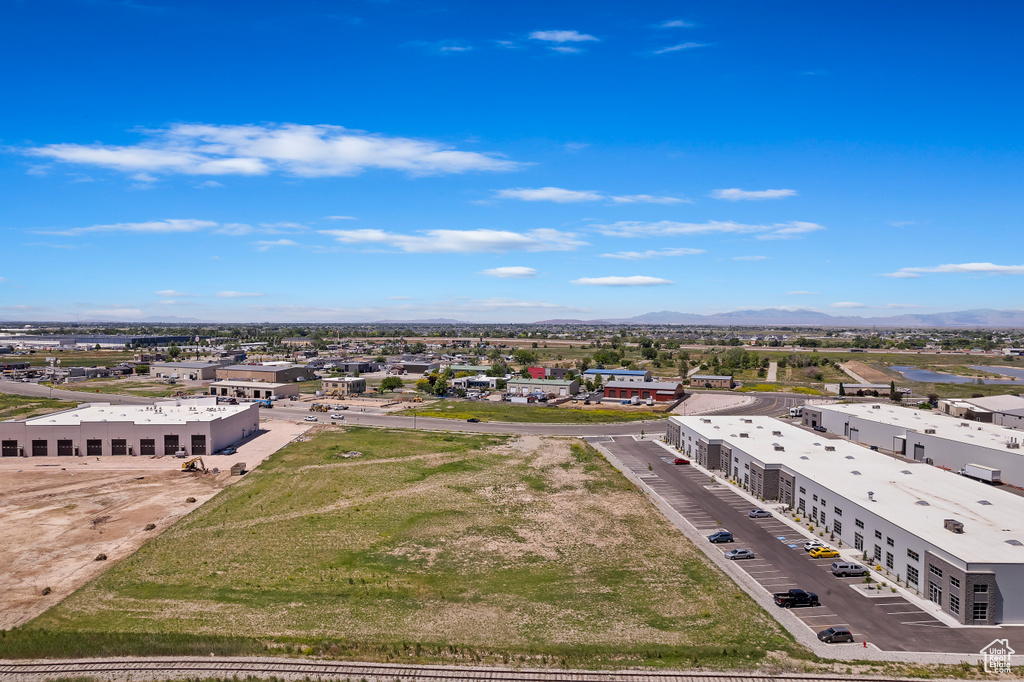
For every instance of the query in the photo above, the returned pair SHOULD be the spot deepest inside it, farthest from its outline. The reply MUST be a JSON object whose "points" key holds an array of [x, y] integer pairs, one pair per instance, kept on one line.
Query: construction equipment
{"points": [[319, 407], [264, 402], [194, 464]]}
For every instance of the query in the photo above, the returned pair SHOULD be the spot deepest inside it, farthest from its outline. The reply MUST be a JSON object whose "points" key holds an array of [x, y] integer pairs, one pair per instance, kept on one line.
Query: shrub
{"points": [[150, 526]]}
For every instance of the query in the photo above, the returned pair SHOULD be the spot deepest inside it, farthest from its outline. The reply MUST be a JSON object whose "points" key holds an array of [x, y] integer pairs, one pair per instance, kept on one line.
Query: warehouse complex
{"points": [[924, 436], [194, 427], [958, 542]]}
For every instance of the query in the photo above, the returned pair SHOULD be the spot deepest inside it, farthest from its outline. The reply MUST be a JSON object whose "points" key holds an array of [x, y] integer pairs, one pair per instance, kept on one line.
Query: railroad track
{"points": [[171, 668]]}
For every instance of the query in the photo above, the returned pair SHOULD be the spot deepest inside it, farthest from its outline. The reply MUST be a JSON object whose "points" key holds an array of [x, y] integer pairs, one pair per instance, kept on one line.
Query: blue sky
{"points": [[367, 160]]}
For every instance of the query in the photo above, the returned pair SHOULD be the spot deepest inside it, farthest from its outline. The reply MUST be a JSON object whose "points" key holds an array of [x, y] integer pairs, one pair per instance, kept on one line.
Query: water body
{"points": [[1011, 371], [929, 377]]}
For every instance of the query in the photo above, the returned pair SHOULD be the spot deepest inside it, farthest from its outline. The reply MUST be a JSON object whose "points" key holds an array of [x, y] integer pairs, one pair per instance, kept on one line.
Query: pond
{"points": [[929, 377]]}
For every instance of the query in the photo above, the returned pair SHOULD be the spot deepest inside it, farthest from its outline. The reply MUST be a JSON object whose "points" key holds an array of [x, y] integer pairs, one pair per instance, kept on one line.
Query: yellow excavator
{"points": [[194, 464]]}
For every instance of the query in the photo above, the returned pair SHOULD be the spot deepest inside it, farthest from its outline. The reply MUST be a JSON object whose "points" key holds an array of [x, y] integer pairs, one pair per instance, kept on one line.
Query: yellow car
{"points": [[824, 553]]}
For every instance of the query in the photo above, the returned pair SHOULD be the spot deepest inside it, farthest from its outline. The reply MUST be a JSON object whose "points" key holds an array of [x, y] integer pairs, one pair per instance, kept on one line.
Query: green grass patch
{"points": [[426, 548], [779, 388], [24, 406], [532, 414]]}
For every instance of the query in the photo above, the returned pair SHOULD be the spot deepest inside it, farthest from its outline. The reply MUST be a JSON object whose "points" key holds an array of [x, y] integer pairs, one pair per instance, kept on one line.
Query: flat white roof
{"points": [[242, 383], [898, 486], [139, 414], [946, 426], [342, 379]]}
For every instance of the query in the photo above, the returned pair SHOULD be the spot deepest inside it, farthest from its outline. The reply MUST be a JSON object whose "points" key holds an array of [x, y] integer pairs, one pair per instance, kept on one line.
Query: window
{"points": [[814, 514], [878, 553], [878, 534], [815, 498], [858, 541], [912, 575], [838, 526], [937, 572], [889, 560], [823, 503], [954, 582], [889, 542], [913, 555], [981, 611], [803, 491], [980, 589], [858, 523], [823, 517], [954, 605], [837, 511], [800, 504]]}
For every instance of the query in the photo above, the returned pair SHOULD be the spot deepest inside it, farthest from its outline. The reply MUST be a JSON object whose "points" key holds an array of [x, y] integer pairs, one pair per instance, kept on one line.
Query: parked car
{"points": [[845, 568], [337, 415], [759, 514], [813, 544], [835, 635], [309, 418], [473, 420], [788, 600], [680, 460], [734, 554], [820, 428], [226, 451], [721, 536], [824, 553]]}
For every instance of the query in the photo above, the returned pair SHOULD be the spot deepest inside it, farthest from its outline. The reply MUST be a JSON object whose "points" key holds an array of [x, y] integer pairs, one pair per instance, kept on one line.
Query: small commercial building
{"points": [[559, 387], [1003, 410], [253, 390], [343, 386], [354, 366], [618, 374], [197, 426], [194, 371], [298, 342], [658, 391], [472, 369], [548, 372], [957, 542], [278, 373], [711, 381], [860, 389], [479, 382], [924, 436]]}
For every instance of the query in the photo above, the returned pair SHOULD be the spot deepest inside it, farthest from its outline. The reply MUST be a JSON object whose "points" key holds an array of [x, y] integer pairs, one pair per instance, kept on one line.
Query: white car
{"points": [[337, 415], [813, 544], [310, 418]]}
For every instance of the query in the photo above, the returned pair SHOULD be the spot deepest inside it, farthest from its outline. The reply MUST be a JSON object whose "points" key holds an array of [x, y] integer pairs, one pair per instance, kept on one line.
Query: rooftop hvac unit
{"points": [[747, 435], [876, 407], [778, 448], [830, 448], [929, 430], [748, 421], [706, 421], [953, 525], [776, 433]]}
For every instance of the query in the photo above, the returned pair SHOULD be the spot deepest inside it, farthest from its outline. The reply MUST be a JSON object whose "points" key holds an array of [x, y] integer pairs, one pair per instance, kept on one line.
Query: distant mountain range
{"points": [[982, 317]]}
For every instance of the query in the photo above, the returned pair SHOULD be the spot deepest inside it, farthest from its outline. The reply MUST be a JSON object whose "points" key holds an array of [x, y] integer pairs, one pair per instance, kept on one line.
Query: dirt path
{"points": [[866, 373]]}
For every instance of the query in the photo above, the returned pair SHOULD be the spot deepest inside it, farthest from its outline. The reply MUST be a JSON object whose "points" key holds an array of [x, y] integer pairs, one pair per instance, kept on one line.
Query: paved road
{"points": [[890, 622], [39, 391]]}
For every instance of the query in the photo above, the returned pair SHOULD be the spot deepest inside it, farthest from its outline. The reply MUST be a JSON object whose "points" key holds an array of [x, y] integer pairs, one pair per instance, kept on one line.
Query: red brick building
{"points": [[659, 391]]}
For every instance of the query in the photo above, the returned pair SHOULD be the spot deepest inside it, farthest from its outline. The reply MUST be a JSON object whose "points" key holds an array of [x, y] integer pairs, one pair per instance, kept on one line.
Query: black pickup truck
{"points": [[788, 600]]}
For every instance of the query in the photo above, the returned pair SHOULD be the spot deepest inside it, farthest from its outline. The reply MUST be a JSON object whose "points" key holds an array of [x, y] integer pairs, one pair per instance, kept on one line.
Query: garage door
{"points": [[65, 448], [119, 446], [39, 448], [170, 444], [198, 446], [148, 447], [9, 448], [94, 447]]}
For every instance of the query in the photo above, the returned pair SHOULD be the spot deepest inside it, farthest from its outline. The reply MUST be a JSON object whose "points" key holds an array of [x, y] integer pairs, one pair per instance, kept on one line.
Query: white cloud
{"points": [[559, 195], [632, 281], [750, 257], [462, 241], [675, 23], [562, 36], [736, 194], [209, 184], [340, 217], [565, 49], [151, 227], [848, 304], [961, 268], [902, 223], [511, 272], [171, 293], [667, 228], [680, 46], [118, 312], [901, 275], [301, 150], [3, 279], [267, 245], [238, 294], [644, 255], [455, 48], [803, 293]]}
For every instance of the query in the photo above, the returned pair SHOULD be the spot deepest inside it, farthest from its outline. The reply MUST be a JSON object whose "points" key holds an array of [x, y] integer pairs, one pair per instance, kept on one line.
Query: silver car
{"points": [[735, 554]]}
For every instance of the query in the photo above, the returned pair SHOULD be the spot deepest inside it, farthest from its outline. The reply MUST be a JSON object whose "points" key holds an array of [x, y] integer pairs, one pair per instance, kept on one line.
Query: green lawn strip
{"points": [[23, 406], [533, 414], [426, 548]]}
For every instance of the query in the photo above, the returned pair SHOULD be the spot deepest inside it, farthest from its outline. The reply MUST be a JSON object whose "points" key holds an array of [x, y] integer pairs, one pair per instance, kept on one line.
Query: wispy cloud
{"points": [[559, 195], [960, 268], [679, 47], [238, 294], [562, 37], [644, 255], [462, 241], [902, 223], [803, 293], [750, 258], [675, 23], [299, 150], [848, 304], [667, 228], [511, 272], [209, 184], [736, 194], [172, 293], [267, 245], [150, 227], [340, 217], [631, 281], [117, 313]]}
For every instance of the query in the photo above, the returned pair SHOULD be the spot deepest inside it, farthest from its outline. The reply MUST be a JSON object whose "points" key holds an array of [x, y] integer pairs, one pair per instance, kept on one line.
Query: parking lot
{"points": [[885, 619]]}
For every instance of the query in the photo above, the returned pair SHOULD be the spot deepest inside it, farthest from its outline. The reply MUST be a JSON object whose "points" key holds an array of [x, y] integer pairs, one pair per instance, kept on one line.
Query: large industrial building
{"points": [[618, 374], [957, 542], [195, 426], [70, 341], [195, 371], [660, 391], [1004, 410], [924, 436], [275, 372], [560, 387]]}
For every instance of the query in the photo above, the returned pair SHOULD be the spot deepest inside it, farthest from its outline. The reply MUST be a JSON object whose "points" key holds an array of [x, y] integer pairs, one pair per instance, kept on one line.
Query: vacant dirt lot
{"points": [[59, 514], [869, 373]]}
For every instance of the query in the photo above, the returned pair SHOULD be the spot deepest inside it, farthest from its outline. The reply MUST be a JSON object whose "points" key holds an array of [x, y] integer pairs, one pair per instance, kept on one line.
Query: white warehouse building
{"points": [[196, 426], [955, 541], [924, 436]]}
